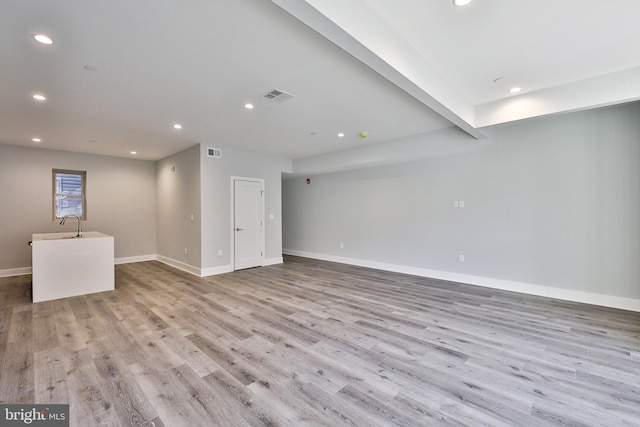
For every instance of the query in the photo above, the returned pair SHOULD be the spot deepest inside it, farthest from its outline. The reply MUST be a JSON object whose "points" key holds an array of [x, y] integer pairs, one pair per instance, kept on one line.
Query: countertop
{"points": [[68, 235]]}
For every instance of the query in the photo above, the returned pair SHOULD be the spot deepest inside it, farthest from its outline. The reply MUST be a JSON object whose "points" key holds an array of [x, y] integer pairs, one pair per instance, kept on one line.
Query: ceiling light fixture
{"points": [[515, 89], [134, 152], [461, 2], [340, 134], [36, 139], [177, 126], [248, 106], [39, 97], [43, 39]]}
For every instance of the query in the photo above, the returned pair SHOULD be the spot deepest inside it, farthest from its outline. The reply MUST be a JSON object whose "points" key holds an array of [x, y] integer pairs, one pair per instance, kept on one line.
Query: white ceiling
{"points": [[392, 69]]}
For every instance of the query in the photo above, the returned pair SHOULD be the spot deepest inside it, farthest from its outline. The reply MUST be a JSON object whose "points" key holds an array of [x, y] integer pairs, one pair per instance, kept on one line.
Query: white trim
{"points": [[212, 271], [488, 282], [204, 272], [15, 272], [200, 272], [179, 265], [233, 217], [272, 261], [124, 260], [139, 258]]}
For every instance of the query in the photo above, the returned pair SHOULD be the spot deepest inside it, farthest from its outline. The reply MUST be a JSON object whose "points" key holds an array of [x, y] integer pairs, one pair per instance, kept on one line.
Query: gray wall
{"points": [[141, 203], [202, 185], [216, 200], [121, 201], [550, 201], [178, 199]]}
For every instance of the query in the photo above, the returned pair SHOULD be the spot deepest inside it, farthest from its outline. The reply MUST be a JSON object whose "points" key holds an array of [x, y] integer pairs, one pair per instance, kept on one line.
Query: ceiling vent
{"points": [[214, 152], [278, 96]]}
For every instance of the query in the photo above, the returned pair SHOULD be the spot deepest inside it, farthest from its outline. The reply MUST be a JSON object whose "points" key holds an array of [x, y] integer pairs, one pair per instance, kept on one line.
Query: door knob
{"points": [[239, 229]]}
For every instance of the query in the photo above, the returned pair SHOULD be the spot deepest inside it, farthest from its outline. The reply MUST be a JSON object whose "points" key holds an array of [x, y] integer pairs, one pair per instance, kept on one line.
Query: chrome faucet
{"points": [[79, 223]]}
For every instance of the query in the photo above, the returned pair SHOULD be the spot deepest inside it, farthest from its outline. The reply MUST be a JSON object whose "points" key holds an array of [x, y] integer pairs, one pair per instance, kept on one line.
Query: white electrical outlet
{"points": [[191, 217], [341, 245], [455, 204], [219, 252], [186, 251], [462, 203], [461, 258]]}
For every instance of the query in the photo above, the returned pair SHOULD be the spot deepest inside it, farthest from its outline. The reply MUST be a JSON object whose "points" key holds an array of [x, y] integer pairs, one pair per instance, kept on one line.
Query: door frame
{"points": [[232, 253]]}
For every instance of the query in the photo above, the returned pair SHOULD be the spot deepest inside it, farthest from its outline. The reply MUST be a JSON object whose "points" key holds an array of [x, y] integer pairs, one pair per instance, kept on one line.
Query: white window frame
{"points": [[83, 181]]}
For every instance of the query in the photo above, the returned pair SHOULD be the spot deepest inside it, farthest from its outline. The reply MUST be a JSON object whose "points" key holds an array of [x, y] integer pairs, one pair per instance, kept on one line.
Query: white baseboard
{"points": [[212, 271], [204, 272], [200, 272], [125, 260], [488, 282], [15, 272], [179, 265], [140, 258], [272, 261]]}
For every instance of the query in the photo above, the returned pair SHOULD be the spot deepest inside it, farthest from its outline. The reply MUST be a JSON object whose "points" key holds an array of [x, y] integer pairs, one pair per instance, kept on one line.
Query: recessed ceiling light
{"points": [[248, 106], [43, 39], [39, 97], [177, 126], [134, 152], [461, 2], [36, 139], [341, 134], [515, 89]]}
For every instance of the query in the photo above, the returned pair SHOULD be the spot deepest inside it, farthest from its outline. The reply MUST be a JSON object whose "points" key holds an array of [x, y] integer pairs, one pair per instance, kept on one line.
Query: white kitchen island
{"points": [[65, 266]]}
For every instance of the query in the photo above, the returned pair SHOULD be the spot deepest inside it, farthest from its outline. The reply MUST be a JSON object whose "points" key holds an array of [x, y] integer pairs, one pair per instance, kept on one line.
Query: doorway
{"points": [[248, 220]]}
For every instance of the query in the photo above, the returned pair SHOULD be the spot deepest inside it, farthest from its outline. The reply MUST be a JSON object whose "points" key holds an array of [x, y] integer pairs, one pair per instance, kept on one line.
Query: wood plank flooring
{"points": [[312, 343]]}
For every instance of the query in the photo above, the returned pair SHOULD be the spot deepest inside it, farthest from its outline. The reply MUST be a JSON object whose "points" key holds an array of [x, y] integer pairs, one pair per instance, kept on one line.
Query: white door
{"points": [[247, 227]]}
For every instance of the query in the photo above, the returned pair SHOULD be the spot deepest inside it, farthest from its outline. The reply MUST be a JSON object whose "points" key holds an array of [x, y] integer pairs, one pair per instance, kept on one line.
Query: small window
{"points": [[69, 193]]}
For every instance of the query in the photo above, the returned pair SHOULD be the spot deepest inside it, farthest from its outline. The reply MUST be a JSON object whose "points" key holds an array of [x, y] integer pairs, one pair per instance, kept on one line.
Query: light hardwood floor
{"points": [[316, 343]]}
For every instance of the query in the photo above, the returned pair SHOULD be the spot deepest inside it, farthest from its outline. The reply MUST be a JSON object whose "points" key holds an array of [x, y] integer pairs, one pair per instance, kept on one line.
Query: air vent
{"points": [[214, 152], [278, 96]]}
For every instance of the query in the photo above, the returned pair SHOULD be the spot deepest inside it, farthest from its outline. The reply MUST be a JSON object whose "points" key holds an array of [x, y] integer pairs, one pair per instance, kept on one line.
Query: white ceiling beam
{"points": [[396, 65], [609, 89], [437, 144]]}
